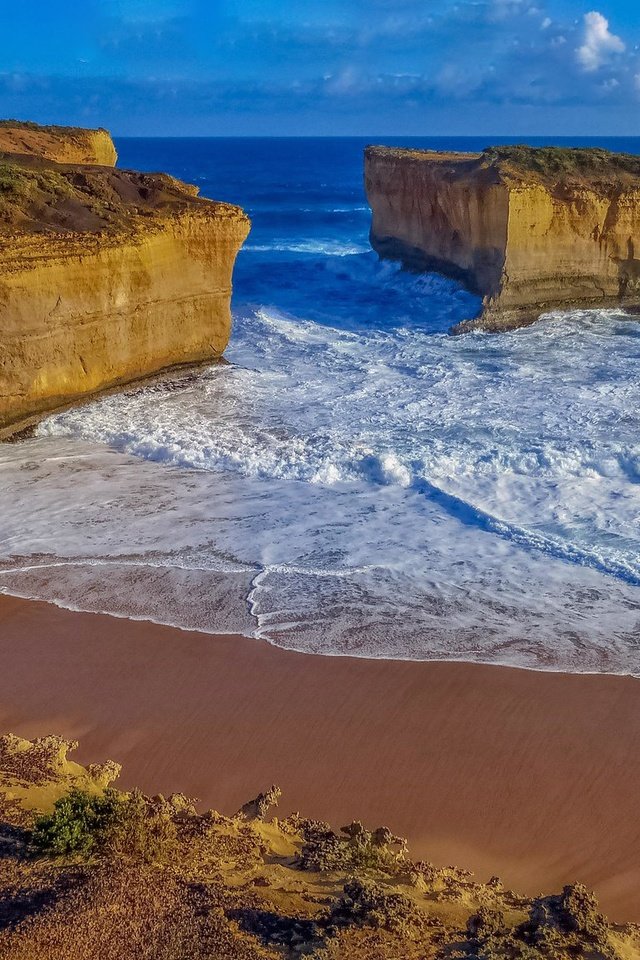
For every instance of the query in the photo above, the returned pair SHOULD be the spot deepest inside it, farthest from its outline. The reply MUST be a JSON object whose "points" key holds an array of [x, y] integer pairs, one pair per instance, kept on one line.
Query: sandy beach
{"points": [[531, 776]]}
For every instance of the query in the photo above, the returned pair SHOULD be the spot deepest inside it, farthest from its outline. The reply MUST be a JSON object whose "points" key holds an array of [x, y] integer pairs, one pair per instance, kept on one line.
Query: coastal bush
{"points": [[12, 181], [140, 832], [78, 822], [565, 161], [360, 849], [368, 904], [486, 923], [113, 824]]}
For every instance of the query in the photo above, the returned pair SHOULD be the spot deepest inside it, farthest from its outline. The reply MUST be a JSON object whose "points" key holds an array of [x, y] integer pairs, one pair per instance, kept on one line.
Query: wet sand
{"points": [[531, 776]]}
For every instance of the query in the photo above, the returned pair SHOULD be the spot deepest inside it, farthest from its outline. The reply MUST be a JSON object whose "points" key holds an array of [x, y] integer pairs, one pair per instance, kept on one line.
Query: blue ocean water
{"points": [[356, 481]]}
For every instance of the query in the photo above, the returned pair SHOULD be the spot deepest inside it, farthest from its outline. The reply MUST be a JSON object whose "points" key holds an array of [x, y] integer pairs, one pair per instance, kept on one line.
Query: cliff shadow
{"points": [[628, 275]]}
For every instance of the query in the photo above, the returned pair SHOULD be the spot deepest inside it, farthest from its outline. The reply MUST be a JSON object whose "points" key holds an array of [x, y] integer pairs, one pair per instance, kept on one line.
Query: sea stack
{"points": [[527, 229], [106, 275]]}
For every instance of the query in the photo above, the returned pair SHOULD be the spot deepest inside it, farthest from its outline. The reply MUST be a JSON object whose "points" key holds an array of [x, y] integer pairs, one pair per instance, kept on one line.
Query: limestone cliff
{"points": [[106, 276], [60, 144], [527, 229]]}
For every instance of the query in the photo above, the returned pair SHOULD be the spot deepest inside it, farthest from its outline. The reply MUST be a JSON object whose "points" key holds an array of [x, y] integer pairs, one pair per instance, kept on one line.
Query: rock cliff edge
{"points": [[106, 276], [60, 144], [527, 229]]}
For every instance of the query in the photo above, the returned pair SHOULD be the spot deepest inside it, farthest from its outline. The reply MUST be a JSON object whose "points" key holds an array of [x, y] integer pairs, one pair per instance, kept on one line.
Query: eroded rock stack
{"points": [[106, 275], [528, 230]]}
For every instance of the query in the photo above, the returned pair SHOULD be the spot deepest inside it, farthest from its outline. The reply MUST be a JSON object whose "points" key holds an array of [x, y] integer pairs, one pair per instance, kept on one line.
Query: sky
{"points": [[327, 67]]}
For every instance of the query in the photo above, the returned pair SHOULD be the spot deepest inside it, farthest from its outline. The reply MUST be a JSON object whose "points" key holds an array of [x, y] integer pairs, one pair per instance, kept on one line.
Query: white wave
{"points": [[329, 406], [324, 248], [357, 482], [354, 208], [353, 569]]}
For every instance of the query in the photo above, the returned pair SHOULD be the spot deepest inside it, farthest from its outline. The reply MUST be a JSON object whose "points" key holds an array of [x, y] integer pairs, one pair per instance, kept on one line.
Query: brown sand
{"points": [[535, 777]]}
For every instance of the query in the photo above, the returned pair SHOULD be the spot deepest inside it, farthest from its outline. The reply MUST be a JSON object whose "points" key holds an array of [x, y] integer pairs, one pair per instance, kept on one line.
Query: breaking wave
{"points": [[355, 481]]}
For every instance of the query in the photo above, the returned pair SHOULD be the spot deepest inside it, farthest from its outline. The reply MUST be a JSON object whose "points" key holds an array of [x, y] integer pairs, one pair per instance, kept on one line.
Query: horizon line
{"points": [[363, 136]]}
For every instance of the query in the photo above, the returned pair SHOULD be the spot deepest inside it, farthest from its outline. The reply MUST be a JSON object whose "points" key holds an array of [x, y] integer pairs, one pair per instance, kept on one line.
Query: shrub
{"points": [[368, 904], [13, 180], [361, 849], [115, 825], [78, 822], [139, 832], [486, 923]]}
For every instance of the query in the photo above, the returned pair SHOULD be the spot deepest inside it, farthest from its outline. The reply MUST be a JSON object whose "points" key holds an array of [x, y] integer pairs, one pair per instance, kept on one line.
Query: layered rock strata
{"points": [[106, 276], [528, 230]]}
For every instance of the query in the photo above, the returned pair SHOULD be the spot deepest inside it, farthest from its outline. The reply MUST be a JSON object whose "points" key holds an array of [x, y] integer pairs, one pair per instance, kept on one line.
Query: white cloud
{"points": [[599, 43], [502, 9], [546, 23]]}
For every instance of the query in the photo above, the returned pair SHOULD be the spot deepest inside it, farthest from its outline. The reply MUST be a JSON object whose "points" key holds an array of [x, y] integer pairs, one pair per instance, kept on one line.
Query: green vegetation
{"points": [[20, 183], [113, 824], [12, 179], [46, 128], [549, 163], [37, 196], [79, 822], [564, 161]]}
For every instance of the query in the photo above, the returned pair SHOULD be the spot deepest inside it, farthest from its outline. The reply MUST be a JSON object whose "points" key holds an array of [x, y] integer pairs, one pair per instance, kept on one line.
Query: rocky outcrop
{"points": [[121, 874], [528, 230], [106, 276], [37, 772], [258, 808], [60, 144]]}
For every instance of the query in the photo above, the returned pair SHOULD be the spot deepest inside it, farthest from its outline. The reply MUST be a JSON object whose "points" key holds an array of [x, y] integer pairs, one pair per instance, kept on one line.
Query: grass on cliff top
{"points": [[21, 186], [46, 128], [565, 161], [550, 164], [38, 196], [18, 181]]}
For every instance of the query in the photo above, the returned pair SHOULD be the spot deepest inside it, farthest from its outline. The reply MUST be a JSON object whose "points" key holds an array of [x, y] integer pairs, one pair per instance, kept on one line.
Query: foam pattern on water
{"points": [[382, 493], [355, 481]]}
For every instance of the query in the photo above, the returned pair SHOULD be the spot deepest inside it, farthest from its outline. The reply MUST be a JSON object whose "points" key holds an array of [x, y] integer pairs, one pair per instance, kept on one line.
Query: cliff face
{"points": [[106, 276], [60, 144], [527, 229]]}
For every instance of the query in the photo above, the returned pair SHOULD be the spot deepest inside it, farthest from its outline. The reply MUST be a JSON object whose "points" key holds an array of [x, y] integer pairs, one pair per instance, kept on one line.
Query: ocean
{"points": [[354, 481]]}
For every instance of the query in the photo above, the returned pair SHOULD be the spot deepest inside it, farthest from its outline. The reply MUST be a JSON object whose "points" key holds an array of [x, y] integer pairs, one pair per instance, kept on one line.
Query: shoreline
{"points": [[252, 638], [25, 427], [530, 775]]}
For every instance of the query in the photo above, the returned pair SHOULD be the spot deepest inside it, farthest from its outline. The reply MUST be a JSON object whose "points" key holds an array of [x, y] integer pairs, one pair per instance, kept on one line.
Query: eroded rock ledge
{"points": [[106, 276], [527, 229]]}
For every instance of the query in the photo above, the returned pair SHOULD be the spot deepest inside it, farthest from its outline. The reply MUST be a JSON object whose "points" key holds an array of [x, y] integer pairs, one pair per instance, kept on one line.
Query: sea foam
{"points": [[388, 492], [355, 481]]}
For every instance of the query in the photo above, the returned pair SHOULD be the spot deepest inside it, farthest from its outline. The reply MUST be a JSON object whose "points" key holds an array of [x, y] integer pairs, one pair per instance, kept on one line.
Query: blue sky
{"points": [[366, 67]]}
